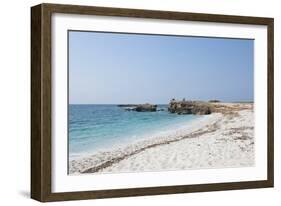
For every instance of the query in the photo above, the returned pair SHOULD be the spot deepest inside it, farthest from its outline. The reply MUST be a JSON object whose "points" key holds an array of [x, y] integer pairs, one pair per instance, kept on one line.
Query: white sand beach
{"points": [[222, 139]]}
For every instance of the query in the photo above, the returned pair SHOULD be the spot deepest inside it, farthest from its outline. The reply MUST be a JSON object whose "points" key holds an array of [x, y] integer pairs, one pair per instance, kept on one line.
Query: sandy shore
{"points": [[222, 139]]}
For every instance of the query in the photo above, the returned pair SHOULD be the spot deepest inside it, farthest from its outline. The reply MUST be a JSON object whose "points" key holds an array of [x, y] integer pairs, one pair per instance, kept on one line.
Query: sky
{"points": [[115, 68]]}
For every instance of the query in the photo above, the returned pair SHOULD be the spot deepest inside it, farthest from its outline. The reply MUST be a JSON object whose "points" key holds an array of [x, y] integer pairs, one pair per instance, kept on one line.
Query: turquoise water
{"points": [[98, 127]]}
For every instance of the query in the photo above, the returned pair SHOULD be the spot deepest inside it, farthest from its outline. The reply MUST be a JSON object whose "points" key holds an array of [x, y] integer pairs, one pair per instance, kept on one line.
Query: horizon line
{"points": [[236, 101]]}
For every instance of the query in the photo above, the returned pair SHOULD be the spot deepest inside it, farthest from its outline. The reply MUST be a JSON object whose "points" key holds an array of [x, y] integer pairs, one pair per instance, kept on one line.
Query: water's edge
{"points": [[94, 128]]}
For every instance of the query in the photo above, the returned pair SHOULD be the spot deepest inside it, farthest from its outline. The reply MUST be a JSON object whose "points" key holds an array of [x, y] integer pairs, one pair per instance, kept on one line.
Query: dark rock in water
{"points": [[145, 108], [127, 105], [160, 110], [214, 101], [140, 107], [190, 107]]}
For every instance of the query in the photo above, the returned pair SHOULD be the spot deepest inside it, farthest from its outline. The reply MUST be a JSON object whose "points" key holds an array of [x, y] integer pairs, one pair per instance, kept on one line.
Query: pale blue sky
{"points": [[112, 68]]}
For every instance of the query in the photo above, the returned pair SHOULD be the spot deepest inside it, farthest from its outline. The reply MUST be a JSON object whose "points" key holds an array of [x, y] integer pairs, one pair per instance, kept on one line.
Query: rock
{"points": [[127, 105], [190, 107], [214, 101], [145, 108], [139, 107]]}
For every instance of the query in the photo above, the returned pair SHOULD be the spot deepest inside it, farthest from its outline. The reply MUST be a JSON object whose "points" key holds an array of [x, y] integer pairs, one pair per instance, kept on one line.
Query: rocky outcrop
{"points": [[127, 105], [141, 107], [214, 101], [145, 108], [189, 107]]}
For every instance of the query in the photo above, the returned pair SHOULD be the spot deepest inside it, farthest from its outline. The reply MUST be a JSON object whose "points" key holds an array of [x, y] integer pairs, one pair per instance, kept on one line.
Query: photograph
{"points": [[155, 102], [134, 102]]}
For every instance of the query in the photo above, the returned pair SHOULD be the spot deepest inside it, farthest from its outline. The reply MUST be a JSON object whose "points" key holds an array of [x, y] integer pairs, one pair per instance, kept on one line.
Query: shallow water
{"points": [[101, 127]]}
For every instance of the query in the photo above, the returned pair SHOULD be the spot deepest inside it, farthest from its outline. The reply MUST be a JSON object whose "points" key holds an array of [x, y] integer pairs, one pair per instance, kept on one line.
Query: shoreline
{"points": [[178, 149], [161, 132]]}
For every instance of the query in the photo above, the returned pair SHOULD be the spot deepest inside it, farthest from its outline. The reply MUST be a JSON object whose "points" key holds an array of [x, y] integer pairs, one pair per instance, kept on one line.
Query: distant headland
{"points": [[175, 106]]}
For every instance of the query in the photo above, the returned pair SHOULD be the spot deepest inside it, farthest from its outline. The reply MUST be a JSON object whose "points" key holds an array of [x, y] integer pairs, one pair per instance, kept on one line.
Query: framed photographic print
{"points": [[128, 102]]}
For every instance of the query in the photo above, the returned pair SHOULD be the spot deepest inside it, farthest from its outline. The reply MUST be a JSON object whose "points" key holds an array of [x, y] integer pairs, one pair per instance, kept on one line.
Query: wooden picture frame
{"points": [[41, 116]]}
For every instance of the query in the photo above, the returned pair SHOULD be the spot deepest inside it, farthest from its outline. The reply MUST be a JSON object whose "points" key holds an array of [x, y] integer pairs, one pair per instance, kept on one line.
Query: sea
{"points": [[93, 128]]}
